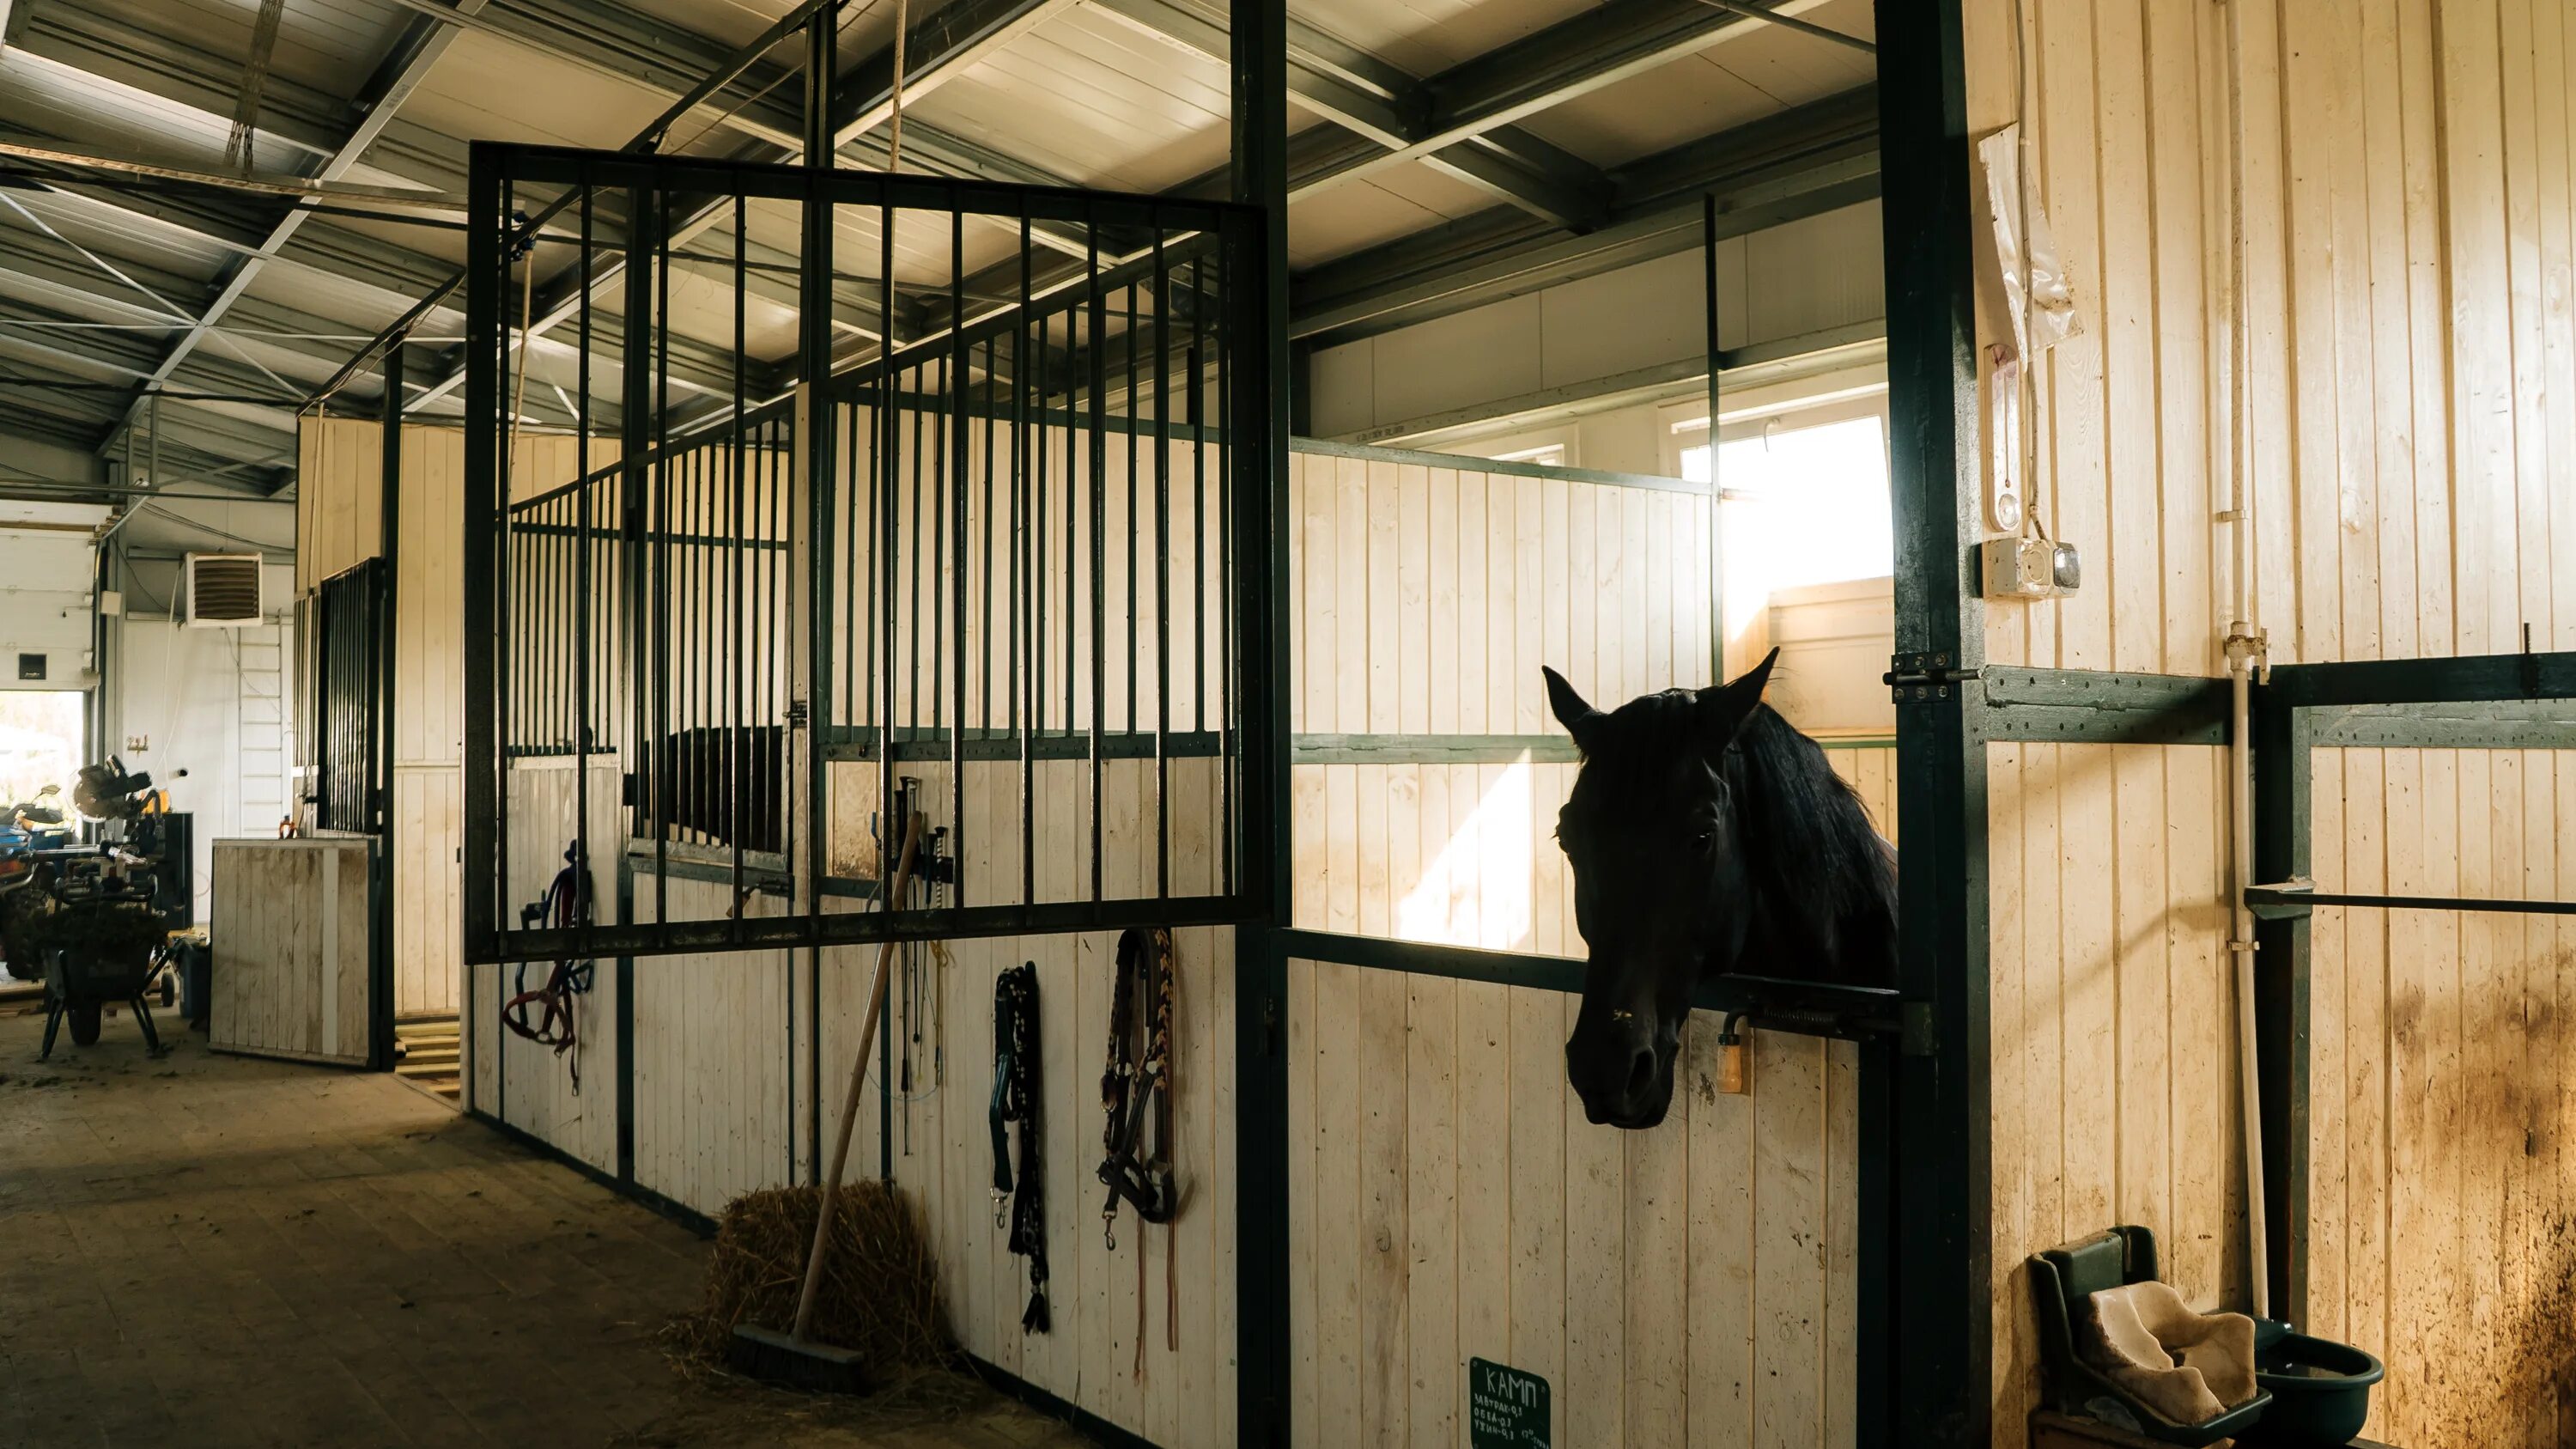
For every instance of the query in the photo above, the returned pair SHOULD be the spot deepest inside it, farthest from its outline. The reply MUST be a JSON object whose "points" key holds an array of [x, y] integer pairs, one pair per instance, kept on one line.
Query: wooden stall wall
{"points": [[339, 517], [1426, 597], [1690, 1285], [292, 920], [525, 1084], [2113, 1026], [2405, 433], [2443, 1091]]}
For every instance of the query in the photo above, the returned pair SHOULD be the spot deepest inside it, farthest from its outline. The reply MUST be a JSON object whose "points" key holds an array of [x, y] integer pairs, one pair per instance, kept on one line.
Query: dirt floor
{"points": [[217, 1251]]}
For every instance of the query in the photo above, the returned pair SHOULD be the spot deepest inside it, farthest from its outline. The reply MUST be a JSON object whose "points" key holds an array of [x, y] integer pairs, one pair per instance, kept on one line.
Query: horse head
{"points": [[1661, 880]]}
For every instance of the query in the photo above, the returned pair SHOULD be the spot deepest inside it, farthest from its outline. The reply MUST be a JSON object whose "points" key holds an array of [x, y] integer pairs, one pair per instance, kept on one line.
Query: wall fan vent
{"points": [[222, 590]]}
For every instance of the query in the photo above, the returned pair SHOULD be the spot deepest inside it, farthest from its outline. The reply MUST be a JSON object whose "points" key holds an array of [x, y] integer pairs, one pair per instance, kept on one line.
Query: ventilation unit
{"points": [[222, 590]]}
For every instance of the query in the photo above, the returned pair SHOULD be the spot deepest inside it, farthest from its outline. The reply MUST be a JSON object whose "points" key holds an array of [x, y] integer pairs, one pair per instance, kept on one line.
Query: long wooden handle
{"points": [[850, 1100]]}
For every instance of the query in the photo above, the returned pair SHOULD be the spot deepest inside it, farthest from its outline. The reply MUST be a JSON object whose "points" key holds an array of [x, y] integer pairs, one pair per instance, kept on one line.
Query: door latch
{"points": [[1924, 676]]}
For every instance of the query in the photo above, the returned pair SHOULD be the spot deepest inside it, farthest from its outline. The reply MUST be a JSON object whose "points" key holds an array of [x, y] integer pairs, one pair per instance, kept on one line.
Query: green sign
{"points": [[1506, 1409]]}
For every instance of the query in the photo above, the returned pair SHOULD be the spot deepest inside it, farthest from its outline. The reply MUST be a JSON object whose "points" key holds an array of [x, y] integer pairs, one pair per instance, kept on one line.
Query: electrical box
{"points": [[2029, 568]]}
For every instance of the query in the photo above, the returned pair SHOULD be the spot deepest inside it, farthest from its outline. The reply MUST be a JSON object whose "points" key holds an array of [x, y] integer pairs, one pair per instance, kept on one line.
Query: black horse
{"points": [[1707, 835]]}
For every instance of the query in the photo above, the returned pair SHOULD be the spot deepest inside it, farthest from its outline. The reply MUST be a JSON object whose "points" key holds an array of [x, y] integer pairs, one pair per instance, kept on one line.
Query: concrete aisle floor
{"points": [[217, 1251]]}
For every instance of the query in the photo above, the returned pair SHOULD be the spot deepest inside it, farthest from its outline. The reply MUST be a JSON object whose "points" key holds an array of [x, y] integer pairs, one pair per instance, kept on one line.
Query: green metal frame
{"points": [[2499, 701]]}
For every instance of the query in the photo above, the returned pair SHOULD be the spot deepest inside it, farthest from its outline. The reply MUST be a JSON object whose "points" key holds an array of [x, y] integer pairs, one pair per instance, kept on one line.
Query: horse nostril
{"points": [[1641, 1072]]}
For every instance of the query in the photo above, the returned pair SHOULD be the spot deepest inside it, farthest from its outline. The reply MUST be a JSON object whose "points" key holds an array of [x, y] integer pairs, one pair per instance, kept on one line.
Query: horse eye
{"points": [[1703, 840]]}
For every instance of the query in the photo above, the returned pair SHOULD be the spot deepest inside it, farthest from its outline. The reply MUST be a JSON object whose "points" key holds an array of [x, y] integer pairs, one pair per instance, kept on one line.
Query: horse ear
{"points": [[1724, 708], [1578, 717]]}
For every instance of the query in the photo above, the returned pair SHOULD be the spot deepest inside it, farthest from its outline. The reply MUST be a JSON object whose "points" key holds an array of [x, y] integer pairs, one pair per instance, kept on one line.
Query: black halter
{"points": [[1131, 1089], [567, 901], [1016, 1093]]}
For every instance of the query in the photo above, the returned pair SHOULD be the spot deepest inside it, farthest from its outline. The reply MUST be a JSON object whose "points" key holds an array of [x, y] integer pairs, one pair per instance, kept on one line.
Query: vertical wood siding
{"points": [[2407, 440], [339, 517], [1690, 1285], [292, 917], [2443, 1196]]}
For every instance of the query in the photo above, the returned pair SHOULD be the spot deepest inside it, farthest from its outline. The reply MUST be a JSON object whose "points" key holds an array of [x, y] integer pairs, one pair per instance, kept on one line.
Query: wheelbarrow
{"points": [[83, 978]]}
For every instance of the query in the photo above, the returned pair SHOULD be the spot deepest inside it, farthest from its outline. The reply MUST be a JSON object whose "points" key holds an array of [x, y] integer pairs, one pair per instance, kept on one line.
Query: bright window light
{"points": [[1815, 497]]}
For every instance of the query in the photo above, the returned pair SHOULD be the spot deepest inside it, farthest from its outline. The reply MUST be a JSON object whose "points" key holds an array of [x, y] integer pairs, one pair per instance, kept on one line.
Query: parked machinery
{"points": [[92, 921]]}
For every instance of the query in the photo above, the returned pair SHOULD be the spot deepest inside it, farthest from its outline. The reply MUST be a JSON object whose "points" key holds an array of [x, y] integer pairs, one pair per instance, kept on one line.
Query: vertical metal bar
{"points": [[1230, 534], [1716, 492], [1198, 425], [911, 527], [1256, 298], [1130, 723], [957, 585], [2284, 824], [505, 684], [1162, 562], [380, 1007], [637, 480], [1028, 672], [1040, 511], [984, 545], [581, 564], [890, 549], [738, 777], [1939, 1344], [665, 750], [930, 505], [1099, 491], [485, 284]]}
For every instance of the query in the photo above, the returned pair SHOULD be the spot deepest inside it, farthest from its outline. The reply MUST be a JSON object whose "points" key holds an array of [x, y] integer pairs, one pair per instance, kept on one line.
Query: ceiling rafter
{"points": [[933, 45], [1391, 110], [414, 52], [1801, 162]]}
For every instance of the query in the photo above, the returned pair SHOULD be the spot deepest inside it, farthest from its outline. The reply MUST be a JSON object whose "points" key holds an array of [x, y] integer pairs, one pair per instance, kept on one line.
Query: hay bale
{"points": [[880, 1290]]}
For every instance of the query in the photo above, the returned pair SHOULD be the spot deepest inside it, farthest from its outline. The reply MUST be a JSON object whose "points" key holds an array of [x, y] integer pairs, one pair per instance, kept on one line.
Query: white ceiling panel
{"points": [[86, 112], [332, 46], [1756, 72], [1429, 36], [1380, 207], [486, 88], [1094, 100]]}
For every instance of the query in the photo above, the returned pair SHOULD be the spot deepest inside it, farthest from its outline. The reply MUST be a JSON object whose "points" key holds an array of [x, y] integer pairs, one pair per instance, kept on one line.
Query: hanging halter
{"points": [[1130, 1089], [567, 902], [1016, 1082]]}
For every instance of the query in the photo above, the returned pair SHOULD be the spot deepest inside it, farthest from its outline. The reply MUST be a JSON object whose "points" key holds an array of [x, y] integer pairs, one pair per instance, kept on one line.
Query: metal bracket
{"points": [[2280, 901], [1928, 676]]}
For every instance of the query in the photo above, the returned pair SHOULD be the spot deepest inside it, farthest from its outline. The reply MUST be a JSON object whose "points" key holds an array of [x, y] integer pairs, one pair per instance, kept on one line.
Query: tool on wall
{"points": [[767, 1353], [565, 904], [1017, 1089], [1137, 1083]]}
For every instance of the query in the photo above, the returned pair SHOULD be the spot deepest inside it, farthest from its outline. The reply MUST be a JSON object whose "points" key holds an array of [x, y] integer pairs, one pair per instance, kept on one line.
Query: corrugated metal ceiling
{"points": [[1124, 94]]}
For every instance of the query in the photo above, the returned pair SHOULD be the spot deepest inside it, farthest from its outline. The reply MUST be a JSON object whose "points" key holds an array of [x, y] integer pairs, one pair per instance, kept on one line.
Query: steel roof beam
{"points": [[935, 44], [1387, 111], [1802, 162], [413, 53]]}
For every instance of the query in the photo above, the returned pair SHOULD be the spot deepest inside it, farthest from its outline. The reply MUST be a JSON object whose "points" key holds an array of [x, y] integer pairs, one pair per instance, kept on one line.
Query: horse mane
{"points": [[1823, 879]]}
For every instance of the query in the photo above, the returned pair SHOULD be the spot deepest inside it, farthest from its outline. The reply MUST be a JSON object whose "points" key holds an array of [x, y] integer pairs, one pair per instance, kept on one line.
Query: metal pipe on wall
{"points": [[2246, 646]]}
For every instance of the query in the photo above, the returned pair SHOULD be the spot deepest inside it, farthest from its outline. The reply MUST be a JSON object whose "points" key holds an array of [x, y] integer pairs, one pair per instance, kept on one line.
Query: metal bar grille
{"points": [[349, 662], [996, 584]]}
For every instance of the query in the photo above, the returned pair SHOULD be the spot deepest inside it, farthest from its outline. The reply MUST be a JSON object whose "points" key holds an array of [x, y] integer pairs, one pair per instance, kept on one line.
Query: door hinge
{"points": [[1924, 676]]}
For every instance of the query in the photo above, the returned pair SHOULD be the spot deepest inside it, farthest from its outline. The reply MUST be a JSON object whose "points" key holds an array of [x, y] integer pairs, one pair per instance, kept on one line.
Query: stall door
{"points": [[294, 968]]}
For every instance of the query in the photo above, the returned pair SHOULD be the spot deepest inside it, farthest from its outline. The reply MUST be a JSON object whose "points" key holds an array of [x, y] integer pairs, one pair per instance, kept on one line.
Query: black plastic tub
{"points": [[2320, 1392]]}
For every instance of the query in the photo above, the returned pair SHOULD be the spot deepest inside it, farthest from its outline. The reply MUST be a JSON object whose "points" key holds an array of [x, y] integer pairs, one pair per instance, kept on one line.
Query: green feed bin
{"points": [[2061, 1279], [2320, 1392]]}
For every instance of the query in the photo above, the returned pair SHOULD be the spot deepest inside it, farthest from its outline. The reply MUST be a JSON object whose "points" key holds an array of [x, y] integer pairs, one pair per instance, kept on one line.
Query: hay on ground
{"points": [[880, 1289]]}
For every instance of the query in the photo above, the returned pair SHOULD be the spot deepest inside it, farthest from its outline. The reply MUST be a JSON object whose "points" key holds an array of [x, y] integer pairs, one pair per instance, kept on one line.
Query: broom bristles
{"points": [[879, 1293]]}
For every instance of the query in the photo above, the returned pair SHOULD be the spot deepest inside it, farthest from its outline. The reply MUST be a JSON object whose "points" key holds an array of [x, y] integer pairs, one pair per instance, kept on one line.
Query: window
{"points": [[1811, 486]]}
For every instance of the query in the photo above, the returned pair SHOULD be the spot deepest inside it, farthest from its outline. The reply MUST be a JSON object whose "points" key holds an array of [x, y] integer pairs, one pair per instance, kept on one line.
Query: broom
{"points": [[791, 1359]]}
